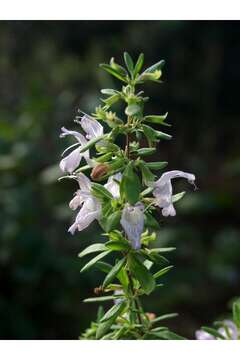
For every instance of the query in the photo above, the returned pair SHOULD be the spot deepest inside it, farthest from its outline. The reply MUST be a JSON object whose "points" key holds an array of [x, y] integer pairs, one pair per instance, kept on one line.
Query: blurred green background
{"points": [[47, 70]]}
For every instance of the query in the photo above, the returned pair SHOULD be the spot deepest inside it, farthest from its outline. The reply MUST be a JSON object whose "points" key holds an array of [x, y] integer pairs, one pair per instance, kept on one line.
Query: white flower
{"points": [[90, 206], [230, 334], [163, 190], [93, 129], [132, 221], [112, 185], [203, 335]]}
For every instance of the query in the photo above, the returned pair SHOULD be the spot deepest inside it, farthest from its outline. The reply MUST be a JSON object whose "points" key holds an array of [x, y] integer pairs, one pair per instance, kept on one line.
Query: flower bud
{"points": [[99, 171], [150, 316]]}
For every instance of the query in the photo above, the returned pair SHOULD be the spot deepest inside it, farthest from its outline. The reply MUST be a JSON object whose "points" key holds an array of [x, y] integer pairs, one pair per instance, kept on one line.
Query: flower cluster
{"points": [[132, 219], [118, 187]]}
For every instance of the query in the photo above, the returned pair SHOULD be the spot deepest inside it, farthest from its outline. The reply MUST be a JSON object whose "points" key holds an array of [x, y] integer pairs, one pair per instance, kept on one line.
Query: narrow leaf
{"points": [[114, 271], [158, 165], [115, 310], [130, 185], [101, 192], [100, 299], [95, 260], [158, 66], [118, 245], [106, 325], [92, 248], [156, 119], [113, 220], [113, 72], [91, 143], [164, 317], [142, 274], [129, 62], [139, 64], [162, 271], [178, 196]]}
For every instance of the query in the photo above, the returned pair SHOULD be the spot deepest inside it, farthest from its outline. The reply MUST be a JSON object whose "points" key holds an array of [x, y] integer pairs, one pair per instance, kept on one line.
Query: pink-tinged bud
{"points": [[99, 171], [150, 316]]}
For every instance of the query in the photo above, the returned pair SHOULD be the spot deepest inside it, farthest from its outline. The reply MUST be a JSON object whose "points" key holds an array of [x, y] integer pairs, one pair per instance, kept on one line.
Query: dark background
{"points": [[49, 69]]}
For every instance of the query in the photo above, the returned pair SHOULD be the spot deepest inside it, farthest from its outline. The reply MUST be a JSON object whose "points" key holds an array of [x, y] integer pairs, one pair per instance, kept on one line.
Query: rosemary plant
{"points": [[123, 191]]}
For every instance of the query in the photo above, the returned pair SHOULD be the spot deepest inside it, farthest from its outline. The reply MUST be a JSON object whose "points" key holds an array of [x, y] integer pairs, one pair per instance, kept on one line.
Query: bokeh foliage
{"points": [[50, 69]]}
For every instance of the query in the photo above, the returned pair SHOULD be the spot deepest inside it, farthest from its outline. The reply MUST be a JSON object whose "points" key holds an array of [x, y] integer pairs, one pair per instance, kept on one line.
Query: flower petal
{"points": [[84, 182], [169, 211], [112, 186], [169, 175], [76, 201], [80, 138], [89, 212], [203, 335], [132, 221], [71, 162], [233, 331], [91, 126]]}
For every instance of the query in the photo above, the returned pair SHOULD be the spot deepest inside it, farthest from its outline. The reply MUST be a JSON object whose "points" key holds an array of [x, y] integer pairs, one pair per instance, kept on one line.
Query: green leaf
{"points": [[95, 260], [150, 134], [236, 312], [115, 309], [92, 142], [123, 278], [170, 335], [162, 250], [129, 62], [114, 271], [120, 69], [106, 212], [213, 332], [130, 185], [113, 220], [162, 271], [178, 196], [109, 92], [151, 222], [139, 64], [158, 66], [106, 325], [100, 313], [111, 99], [92, 248], [153, 135], [132, 109], [164, 317], [162, 135], [103, 158], [100, 192], [113, 72], [118, 245], [156, 119], [100, 299], [158, 165], [142, 274], [103, 266], [116, 235], [147, 175], [145, 151]]}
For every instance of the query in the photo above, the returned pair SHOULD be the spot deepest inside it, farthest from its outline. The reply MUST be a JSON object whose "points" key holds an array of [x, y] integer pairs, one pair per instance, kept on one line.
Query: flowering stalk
{"points": [[123, 195]]}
